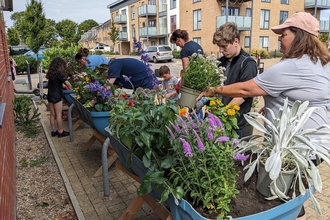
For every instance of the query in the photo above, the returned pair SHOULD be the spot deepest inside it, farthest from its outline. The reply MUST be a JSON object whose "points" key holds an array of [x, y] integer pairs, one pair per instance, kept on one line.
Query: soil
{"points": [[40, 190]]}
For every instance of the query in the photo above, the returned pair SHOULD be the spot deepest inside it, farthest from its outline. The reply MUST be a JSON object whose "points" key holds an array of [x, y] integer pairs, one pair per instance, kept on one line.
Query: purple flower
{"points": [[171, 133], [191, 122], [200, 144], [235, 141], [211, 123], [222, 139], [186, 148], [210, 133], [215, 120], [127, 78], [240, 157], [184, 125], [175, 126]]}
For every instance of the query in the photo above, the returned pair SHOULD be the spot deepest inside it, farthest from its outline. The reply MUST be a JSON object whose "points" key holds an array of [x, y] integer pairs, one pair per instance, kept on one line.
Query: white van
{"points": [[102, 48]]}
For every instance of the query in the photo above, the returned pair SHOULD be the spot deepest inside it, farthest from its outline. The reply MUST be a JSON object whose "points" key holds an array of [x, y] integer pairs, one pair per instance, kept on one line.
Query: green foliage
{"points": [[67, 31], [34, 162], [202, 73], [114, 33], [35, 20], [275, 54], [204, 166], [260, 52], [324, 37], [140, 121], [24, 114], [12, 36], [21, 64], [86, 26], [176, 54]]}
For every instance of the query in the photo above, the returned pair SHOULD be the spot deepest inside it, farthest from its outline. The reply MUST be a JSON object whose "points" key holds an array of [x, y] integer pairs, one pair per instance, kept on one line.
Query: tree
{"points": [[35, 22], [114, 34], [51, 33], [12, 36], [19, 24], [86, 26], [67, 30]]}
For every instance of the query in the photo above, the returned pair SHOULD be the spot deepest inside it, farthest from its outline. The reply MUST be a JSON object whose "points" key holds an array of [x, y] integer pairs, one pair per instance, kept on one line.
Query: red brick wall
{"points": [[7, 135]]}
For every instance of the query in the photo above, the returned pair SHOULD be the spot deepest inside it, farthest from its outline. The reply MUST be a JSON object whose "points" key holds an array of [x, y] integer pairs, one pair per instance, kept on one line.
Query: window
{"points": [[264, 19], [173, 23], [198, 40], [133, 12], [197, 19], [152, 23], [231, 11], [265, 0], [247, 41], [196, 1], [264, 42], [172, 4], [133, 31], [286, 2], [151, 2], [248, 12], [283, 16], [123, 12]]}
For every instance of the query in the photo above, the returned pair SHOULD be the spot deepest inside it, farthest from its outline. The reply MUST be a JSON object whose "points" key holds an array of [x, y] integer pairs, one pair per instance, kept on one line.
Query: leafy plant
{"points": [[22, 66], [286, 144], [204, 167], [203, 72], [228, 115], [24, 114]]}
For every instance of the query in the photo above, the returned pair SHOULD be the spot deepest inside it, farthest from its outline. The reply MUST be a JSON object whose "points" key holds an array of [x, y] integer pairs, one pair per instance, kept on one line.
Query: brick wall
{"points": [[7, 135]]}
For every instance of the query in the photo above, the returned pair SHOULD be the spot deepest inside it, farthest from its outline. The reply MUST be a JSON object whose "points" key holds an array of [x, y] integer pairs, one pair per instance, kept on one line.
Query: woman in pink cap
{"points": [[302, 74]]}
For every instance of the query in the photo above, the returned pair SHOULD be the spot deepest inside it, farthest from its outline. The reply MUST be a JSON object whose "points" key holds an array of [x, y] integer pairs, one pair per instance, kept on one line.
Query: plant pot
{"points": [[96, 120], [188, 97], [286, 211], [264, 183], [66, 95]]}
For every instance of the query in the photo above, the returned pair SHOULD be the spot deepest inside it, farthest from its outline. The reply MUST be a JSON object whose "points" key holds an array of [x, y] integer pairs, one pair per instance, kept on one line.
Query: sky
{"points": [[75, 10]]}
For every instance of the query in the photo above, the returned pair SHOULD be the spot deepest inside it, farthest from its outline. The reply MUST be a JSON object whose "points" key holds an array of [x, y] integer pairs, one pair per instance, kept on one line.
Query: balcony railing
{"points": [[121, 19], [242, 22], [122, 35], [322, 4], [147, 10], [152, 31]]}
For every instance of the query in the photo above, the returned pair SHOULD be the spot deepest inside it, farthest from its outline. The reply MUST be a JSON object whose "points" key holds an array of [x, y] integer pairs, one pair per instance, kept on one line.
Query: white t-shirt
{"points": [[298, 79]]}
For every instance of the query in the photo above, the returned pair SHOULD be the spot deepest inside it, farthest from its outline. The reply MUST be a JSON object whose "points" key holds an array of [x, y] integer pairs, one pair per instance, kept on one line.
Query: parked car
{"points": [[32, 54], [103, 48], [159, 53], [18, 50]]}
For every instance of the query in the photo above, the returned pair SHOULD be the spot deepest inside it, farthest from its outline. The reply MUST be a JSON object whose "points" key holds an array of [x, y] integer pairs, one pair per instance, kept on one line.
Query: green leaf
{"points": [[178, 192], [145, 188]]}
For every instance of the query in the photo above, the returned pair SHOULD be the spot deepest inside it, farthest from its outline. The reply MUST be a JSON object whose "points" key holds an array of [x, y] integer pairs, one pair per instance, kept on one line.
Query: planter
{"points": [[264, 183], [67, 95], [286, 211], [96, 120], [188, 97]]}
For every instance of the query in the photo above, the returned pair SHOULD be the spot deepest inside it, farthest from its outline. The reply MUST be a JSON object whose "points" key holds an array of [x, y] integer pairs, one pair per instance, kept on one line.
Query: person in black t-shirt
{"points": [[56, 76]]}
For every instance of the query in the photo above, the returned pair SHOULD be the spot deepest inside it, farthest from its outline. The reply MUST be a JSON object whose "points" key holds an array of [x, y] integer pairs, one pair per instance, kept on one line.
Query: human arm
{"points": [[185, 61], [68, 84], [170, 94], [242, 89]]}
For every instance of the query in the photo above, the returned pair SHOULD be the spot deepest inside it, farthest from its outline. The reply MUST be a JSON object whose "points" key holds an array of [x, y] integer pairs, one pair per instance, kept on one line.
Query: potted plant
{"points": [[283, 146], [201, 73]]}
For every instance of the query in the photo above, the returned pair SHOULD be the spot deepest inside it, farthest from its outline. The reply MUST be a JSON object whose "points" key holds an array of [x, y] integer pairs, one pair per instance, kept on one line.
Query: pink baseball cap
{"points": [[302, 20]]}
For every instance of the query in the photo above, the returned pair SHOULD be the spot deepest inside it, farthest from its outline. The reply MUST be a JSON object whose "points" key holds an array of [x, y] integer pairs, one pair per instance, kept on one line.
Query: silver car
{"points": [[159, 53]]}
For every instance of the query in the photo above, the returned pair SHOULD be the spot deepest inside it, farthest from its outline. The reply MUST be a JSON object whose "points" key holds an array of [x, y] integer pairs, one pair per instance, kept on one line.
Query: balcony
{"points": [[122, 36], [121, 19], [243, 23], [239, 1], [324, 26], [147, 10], [155, 32], [320, 4]]}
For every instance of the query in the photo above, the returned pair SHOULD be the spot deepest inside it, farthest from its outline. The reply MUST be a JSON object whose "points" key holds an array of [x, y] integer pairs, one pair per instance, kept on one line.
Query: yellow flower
{"points": [[183, 111], [212, 103], [87, 79], [78, 97], [231, 112], [236, 107], [76, 90], [218, 101]]}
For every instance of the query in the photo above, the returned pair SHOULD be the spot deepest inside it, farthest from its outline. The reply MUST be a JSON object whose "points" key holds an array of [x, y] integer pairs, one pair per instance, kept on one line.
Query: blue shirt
{"points": [[189, 48], [139, 73], [93, 61]]}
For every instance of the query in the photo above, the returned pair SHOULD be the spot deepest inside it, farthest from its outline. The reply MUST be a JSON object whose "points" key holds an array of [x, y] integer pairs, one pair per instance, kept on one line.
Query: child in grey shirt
{"points": [[169, 83]]}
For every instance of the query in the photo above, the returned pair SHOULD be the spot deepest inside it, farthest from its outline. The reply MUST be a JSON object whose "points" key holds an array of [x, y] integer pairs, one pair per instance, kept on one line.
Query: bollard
{"points": [[258, 60], [261, 67]]}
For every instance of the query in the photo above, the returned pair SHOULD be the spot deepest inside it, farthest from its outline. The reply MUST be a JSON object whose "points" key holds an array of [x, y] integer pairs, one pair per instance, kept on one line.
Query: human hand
{"points": [[262, 111]]}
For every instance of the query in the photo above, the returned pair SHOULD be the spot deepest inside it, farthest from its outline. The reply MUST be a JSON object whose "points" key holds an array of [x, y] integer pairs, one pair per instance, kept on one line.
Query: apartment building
{"points": [[96, 36], [153, 21]]}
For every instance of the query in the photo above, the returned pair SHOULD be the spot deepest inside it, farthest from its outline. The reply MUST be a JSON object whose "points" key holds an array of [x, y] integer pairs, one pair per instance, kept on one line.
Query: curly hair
{"points": [[82, 52], [57, 65], [309, 44], [178, 33]]}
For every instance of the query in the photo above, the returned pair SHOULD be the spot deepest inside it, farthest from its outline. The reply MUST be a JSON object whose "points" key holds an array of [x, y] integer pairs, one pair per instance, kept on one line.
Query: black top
{"points": [[189, 48], [242, 68]]}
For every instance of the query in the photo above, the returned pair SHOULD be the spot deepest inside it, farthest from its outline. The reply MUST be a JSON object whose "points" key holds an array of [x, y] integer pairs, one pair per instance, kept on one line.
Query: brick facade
{"points": [[7, 135]]}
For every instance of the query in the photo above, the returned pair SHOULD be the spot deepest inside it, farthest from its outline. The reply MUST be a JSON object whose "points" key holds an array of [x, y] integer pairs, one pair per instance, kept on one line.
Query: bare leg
{"points": [[58, 115], [52, 116]]}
